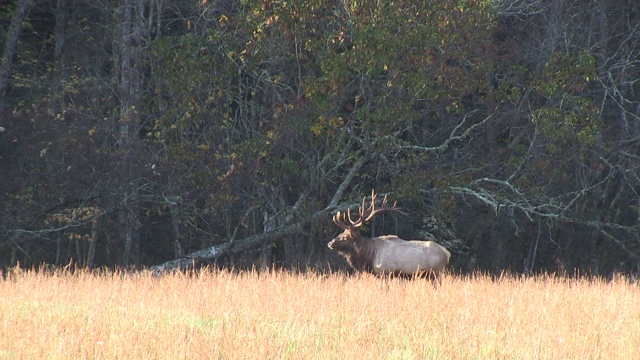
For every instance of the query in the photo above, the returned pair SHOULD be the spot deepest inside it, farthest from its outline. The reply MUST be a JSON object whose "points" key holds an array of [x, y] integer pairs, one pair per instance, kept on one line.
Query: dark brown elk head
{"points": [[388, 254]]}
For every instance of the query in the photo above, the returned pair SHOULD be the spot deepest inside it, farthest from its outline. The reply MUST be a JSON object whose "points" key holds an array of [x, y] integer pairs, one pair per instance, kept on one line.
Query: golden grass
{"points": [[278, 315]]}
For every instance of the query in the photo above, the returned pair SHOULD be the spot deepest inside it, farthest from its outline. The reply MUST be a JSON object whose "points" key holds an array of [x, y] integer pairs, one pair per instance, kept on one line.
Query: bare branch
{"points": [[355, 168], [452, 136], [519, 7], [547, 208]]}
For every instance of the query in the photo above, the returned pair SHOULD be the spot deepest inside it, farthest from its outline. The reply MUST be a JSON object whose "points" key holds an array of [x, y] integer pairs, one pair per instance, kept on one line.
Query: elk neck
{"points": [[361, 254]]}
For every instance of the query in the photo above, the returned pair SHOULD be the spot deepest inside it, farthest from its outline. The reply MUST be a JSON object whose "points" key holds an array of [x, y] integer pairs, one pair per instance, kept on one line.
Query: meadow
{"points": [[282, 315]]}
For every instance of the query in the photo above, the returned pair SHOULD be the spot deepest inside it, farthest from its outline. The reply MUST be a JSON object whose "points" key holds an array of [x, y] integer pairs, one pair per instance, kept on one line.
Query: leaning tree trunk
{"points": [[228, 248], [291, 225]]}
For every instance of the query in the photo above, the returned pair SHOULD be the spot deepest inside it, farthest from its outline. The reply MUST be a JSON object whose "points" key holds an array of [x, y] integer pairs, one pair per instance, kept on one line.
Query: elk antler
{"points": [[364, 214]]}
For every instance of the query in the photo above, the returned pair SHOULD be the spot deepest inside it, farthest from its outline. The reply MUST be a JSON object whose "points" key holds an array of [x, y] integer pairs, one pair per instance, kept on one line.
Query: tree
{"points": [[558, 158], [330, 110]]}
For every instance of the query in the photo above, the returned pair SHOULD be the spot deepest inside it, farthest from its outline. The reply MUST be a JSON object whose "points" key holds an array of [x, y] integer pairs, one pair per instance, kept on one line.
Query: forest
{"points": [[168, 134]]}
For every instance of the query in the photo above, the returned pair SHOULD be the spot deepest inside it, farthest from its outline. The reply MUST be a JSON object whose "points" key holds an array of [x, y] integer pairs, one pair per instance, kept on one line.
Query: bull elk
{"points": [[385, 255]]}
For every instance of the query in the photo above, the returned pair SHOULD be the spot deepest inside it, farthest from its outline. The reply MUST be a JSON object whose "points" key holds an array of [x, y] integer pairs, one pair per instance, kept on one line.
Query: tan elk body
{"points": [[386, 255]]}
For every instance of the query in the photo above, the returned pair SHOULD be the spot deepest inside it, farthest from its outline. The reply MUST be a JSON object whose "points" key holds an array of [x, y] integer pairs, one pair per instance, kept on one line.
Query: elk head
{"points": [[344, 221]]}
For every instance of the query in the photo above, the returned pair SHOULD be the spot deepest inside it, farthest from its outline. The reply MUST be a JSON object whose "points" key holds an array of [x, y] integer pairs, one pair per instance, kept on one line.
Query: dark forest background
{"points": [[135, 132]]}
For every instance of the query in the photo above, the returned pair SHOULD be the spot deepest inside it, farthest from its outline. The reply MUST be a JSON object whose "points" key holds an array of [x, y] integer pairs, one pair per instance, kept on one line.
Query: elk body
{"points": [[385, 255]]}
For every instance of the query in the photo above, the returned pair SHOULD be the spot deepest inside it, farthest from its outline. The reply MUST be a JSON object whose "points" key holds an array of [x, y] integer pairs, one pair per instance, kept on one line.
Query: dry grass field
{"points": [[278, 315]]}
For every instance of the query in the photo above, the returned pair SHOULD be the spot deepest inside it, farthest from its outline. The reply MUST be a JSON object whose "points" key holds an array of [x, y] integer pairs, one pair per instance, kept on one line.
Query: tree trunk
{"points": [[293, 251], [130, 74], [530, 261], [178, 250], [22, 8], [238, 246], [498, 257], [59, 250], [265, 256], [130, 88], [79, 245], [266, 250], [93, 243], [130, 223], [14, 256], [60, 37]]}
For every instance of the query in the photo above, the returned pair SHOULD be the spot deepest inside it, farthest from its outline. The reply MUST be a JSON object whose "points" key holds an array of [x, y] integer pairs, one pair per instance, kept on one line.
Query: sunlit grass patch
{"points": [[222, 314]]}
